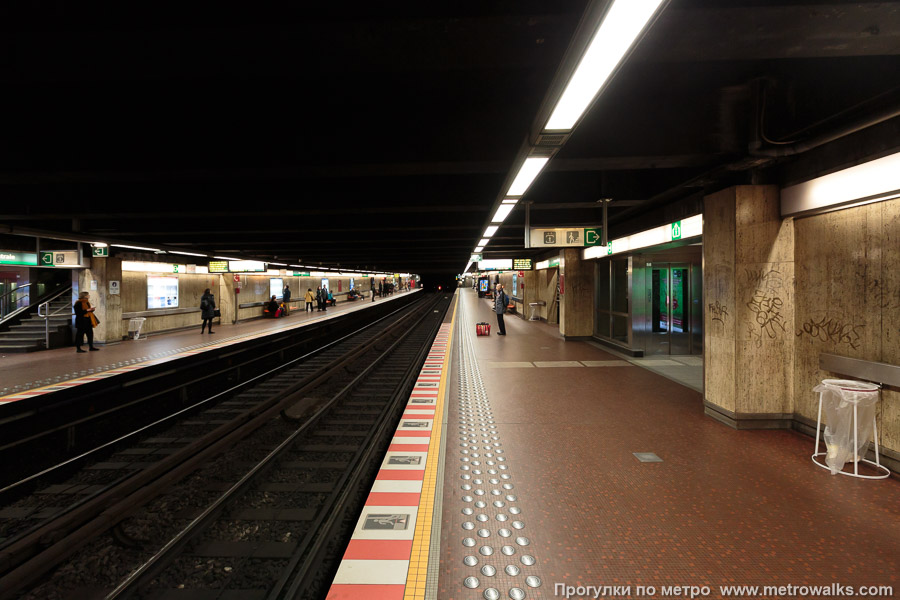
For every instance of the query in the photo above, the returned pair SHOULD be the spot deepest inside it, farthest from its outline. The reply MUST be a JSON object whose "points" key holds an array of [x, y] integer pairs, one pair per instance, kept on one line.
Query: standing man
{"points": [[501, 300], [286, 298], [319, 299]]}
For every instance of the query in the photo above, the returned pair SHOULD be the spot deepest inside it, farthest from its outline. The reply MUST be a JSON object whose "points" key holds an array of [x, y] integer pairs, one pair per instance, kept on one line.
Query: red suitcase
{"points": [[483, 328]]}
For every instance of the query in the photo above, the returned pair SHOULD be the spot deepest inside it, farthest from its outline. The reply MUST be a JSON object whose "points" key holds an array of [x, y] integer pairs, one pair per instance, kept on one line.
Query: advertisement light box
{"points": [[496, 264], [162, 292], [247, 266]]}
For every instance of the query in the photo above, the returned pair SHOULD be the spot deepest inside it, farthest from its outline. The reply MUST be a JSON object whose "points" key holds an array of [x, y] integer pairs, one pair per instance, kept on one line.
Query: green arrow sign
{"points": [[676, 230], [47, 259], [100, 252], [593, 236]]}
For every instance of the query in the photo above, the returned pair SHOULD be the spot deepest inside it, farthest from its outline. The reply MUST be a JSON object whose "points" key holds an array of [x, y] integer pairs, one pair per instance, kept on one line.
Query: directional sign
{"points": [[557, 237], [59, 258], [593, 236], [676, 230], [100, 252]]}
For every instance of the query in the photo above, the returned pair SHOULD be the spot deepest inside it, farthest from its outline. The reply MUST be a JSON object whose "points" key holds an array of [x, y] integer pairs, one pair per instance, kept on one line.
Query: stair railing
{"points": [[43, 312], [10, 301]]}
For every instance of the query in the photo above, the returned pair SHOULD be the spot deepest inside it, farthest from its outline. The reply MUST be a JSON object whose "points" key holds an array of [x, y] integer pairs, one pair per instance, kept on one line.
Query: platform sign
{"points": [[218, 266], [301, 273], [522, 264], [25, 259], [100, 252], [565, 237]]}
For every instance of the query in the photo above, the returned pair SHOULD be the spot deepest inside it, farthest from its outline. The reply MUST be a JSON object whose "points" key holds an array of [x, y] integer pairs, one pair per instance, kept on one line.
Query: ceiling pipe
{"points": [[761, 147]]}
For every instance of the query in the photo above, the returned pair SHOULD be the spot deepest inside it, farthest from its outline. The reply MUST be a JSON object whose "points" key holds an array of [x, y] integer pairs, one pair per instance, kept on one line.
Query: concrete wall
{"points": [[190, 289], [544, 290], [779, 292], [254, 290], [576, 315], [848, 301]]}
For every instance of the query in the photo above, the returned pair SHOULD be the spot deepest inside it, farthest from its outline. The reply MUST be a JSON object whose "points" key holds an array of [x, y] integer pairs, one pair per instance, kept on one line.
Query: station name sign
{"points": [[522, 264], [27, 259]]}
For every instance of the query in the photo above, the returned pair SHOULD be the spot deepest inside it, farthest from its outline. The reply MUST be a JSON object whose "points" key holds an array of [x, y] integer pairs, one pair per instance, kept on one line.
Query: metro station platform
{"points": [[525, 463], [29, 375]]}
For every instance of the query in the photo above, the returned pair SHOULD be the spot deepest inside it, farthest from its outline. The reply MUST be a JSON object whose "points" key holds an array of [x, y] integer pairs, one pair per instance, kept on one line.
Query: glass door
{"points": [[670, 309]]}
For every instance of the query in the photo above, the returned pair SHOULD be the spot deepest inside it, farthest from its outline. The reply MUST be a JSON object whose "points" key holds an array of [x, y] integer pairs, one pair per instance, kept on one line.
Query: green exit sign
{"points": [[102, 252], [676, 230]]}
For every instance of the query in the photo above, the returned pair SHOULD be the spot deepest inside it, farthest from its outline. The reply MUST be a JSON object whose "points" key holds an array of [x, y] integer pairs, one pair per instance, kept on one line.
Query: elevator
{"points": [[651, 303]]}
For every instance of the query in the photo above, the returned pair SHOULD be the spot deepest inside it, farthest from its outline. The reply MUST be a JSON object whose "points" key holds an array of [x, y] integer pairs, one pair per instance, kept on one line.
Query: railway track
{"points": [[261, 494]]}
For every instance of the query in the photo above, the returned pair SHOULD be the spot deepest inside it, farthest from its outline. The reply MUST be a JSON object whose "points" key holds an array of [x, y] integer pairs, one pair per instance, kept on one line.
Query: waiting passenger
{"points": [[85, 322], [331, 300], [286, 298], [309, 299], [272, 308], [207, 310]]}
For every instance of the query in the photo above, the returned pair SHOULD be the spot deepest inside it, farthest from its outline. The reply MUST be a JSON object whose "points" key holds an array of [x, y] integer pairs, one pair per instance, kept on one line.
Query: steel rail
{"points": [[75, 528], [155, 564]]}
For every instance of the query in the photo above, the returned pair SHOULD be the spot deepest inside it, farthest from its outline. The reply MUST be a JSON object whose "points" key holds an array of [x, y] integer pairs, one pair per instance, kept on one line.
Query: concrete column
{"points": [[108, 306], [576, 310], [748, 286]]}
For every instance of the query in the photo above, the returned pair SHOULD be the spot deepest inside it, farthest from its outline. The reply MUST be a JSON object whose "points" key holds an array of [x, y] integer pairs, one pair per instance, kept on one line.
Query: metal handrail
{"points": [[4, 299], [43, 307]]}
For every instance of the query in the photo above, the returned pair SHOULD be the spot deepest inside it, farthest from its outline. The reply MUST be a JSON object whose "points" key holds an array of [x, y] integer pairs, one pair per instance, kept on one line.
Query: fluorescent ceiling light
{"points": [[621, 26], [99, 244], [529, 170], [279, 264], [502, 212], [479, 248], [509, 201], [490, 231], [187, 253], [868, 182], [137, 248], [226, 258], [483, 242]]}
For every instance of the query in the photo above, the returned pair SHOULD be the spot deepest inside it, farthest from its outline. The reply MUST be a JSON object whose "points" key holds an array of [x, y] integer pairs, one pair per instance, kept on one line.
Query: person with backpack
{"points": [[501, 300], [207, 309]]}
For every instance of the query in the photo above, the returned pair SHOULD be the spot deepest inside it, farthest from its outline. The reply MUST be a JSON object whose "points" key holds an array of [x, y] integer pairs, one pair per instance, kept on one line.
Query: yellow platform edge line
{"points": [[418, 562]]}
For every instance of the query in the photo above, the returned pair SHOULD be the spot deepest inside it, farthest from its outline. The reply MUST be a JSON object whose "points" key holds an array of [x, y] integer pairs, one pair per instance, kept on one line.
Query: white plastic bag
{"points": [[839, 396]]}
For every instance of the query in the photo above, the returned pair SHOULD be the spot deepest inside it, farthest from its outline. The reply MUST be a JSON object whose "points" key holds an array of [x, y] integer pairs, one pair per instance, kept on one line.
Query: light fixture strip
{"points": [[503, 211], [620, 28], [528, 172]]}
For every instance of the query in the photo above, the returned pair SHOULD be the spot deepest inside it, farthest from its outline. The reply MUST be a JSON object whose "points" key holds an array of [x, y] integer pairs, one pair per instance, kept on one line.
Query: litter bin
{"points": [[134, 327], [850, 421]]}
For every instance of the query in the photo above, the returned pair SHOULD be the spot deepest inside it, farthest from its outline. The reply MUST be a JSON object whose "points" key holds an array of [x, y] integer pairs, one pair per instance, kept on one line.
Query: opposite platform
{"points": [[65, 369]]}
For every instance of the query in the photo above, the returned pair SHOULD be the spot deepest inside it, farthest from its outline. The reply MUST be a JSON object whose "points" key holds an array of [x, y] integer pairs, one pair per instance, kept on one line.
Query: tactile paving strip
{"points": [[493, 532]]}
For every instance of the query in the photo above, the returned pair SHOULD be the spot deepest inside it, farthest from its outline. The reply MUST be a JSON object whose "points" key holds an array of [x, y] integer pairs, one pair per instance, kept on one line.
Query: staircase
{"points": [[28, 335]]}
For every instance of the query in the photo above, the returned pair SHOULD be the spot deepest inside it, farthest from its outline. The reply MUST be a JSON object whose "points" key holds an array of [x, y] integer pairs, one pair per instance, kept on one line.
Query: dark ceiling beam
{"points": [[799, 30]]}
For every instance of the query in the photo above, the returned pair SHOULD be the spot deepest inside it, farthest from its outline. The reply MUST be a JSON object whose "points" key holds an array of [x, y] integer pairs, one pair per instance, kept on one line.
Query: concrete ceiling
{"points": [[366, 135]]}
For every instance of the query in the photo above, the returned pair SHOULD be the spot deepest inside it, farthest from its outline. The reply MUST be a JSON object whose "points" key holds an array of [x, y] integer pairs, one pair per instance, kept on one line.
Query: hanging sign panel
{"points": [[578, 237], [522, 264]]}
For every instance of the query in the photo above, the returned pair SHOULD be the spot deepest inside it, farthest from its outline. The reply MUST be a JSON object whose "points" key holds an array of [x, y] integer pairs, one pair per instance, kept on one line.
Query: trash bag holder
{"points": [[843, 386]]}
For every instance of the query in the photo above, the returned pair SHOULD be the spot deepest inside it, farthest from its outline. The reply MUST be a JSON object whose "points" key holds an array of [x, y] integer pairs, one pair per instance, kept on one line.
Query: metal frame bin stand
{"points": [[850, 421], [134, 327]]}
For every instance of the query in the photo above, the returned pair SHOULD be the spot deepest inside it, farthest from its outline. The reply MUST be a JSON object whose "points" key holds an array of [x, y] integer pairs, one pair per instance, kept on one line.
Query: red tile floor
{"points": [[724, 507]]}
